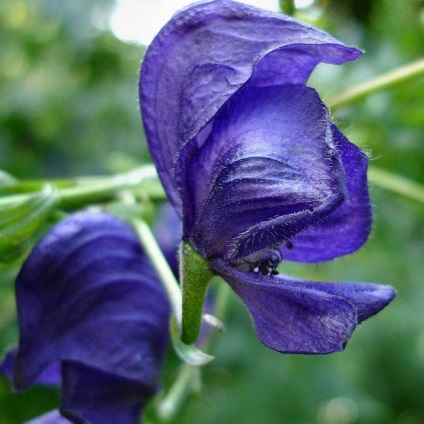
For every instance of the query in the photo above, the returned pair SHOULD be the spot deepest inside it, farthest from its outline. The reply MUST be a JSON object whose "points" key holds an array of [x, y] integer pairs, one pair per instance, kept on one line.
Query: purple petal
{"points": [[88, 294], [204, 55], [50, 375], [167, 231], [52, 417], [92, 396], [367, 298], [271, 160], [293, 316], [347, 228], [8, 363]]}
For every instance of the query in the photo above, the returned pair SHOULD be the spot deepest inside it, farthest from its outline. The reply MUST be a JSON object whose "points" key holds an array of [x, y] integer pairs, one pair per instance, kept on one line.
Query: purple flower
{"points": [[90, 307], [255, 168]]}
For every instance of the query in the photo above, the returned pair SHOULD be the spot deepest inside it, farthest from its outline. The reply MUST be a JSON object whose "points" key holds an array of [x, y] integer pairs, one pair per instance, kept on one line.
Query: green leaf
{"points": [[20, 219]]}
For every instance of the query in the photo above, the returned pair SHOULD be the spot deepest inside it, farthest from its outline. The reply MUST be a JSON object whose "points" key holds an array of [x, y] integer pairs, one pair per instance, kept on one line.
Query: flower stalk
{"points": [[195, 277], [185, 351], [161, 266], [79, 192], [188, 380], [396, 184], [387, 80]]}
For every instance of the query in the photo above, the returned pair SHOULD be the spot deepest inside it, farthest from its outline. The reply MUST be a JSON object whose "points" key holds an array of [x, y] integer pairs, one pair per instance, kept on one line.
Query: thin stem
{"points": [[384, 81], [397, 184], [144, 179], [162, 268], [74, 193], [194, 278], [190, 354], [186, 380]]}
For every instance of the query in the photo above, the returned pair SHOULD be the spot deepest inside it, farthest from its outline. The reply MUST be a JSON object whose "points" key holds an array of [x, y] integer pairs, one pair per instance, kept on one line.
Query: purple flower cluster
{"points": [[256, 169]]}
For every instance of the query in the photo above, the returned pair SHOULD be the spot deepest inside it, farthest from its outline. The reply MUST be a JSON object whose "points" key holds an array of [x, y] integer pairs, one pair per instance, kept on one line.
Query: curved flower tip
{"points": [[294, 316], [88, 297]]}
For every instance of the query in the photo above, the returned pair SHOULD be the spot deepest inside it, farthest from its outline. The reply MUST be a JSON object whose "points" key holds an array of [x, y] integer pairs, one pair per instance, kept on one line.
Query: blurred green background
{"points": [[68, 107]]}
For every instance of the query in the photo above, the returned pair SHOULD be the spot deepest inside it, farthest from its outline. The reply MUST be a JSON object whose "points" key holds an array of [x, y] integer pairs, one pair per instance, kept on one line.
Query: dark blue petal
{"points": [[8, 364], [87, 294], [367, 298], [92, 396], [347, 228], [52, 417], [50, 375], [167, 231], [293, 316], [204, 55], [269, 169]]}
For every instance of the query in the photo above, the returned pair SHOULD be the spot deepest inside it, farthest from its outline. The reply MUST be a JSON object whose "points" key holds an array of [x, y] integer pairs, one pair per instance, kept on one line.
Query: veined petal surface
{"points": [[204, 55], [269, 169]]}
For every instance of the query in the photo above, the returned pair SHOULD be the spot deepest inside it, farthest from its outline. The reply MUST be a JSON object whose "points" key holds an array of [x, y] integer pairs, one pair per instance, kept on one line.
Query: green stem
{"points": [[397, 184], [75, 193], [195, 277], [187, 380], [189, 354], [161, 266], [384, 81]]}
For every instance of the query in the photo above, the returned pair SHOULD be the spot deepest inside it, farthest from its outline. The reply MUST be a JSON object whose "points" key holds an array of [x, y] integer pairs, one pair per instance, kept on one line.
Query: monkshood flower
{"points": [[93, 318], [256, 169]]}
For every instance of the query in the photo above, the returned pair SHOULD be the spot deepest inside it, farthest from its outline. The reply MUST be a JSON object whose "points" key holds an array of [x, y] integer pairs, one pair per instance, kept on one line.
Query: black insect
{"points": [[263, 261]]}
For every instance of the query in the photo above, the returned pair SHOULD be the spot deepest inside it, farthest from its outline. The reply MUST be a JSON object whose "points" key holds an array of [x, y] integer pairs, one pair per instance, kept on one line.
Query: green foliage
{"points": [[67, 90], [21, 219]]}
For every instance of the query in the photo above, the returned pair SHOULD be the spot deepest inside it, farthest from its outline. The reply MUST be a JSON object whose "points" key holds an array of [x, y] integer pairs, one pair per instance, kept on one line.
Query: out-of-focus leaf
{"points": [[20, 220], [6, 179]]}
